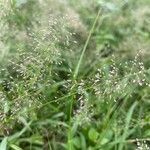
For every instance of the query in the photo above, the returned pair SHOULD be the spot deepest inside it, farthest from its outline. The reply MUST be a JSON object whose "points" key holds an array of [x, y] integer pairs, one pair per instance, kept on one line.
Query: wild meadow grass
{"points": [[74, 75]]}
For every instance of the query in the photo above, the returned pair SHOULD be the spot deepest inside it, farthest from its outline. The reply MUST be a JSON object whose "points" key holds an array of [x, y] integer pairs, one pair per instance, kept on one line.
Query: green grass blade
{"points": [[86, 44], [128, 119], [3, 145]]}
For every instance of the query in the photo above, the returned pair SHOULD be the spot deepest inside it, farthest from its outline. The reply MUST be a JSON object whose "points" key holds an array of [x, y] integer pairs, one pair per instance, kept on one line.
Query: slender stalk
{"points": [[85, 46], [70, 146]]}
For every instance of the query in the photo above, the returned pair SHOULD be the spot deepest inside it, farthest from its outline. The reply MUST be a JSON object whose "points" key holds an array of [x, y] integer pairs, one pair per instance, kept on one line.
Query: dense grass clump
{"points": [[74, 75]]}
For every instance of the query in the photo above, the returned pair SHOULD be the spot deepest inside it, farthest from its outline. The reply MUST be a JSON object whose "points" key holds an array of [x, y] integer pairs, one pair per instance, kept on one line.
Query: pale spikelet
{"points": [[142, 145], [112, 82], [84, 111]]}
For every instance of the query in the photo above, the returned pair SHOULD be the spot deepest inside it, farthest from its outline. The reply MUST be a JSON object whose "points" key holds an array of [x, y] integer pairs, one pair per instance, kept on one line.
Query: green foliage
{"points": [[93, 135], [3, 144], [79, 81]]}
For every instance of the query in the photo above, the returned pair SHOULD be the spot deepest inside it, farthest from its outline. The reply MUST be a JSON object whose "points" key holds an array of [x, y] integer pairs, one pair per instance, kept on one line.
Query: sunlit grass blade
{"points": [[128, 120]]}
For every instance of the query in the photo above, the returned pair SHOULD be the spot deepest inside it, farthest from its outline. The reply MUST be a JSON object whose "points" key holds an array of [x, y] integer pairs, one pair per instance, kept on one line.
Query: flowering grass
{"points": [[62, 88]]}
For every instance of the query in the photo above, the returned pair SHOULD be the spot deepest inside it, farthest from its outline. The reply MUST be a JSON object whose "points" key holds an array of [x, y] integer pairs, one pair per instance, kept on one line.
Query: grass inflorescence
{"points": [[71, 77]]}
